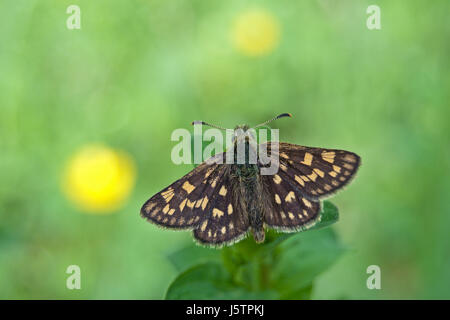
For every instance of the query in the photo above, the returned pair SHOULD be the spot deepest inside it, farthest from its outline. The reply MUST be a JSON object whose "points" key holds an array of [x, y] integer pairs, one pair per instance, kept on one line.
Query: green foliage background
{"points": [[139, 69]]}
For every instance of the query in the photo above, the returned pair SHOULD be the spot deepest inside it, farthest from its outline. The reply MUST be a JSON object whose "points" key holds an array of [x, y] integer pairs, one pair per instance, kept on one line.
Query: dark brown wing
{"points": [[185, 203], [224, 221], [290, 211], [316, 172]]}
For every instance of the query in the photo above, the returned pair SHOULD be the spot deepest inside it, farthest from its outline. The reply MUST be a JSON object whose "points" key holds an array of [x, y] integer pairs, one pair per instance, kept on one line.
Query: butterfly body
{"points": [[250, 183], [248, 180], [222, 202]]}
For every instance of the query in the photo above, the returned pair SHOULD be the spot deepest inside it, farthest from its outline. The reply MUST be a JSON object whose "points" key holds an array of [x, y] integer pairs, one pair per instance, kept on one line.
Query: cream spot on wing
{"points": [[276, 179], [150, 206], [333, 174], [209, 233], [291, 215], [204, 224], [290, 196], [319, 172], [190, 221], [169, 197], [172, 221], [169, 190], [154, 212], [214, 182], [348, 166], [304, 178], [277, 199], [327, 187], [312, 176], [341, 178], [284, 155], [283, 167], [337, 168], [223, 191], [188, 187], [196, 219], [299, 180], [313, 192], [181, 221], [217, 213], [166, 208], [167, 193], [305, 213], [231, 226], [230, 209], [283, 215], [335, 183], [190, 204], [182, 204], [308, 159], [171, 211], [307, 203], [346, 173], [165, 219], [208, 172], [204, 202], [328, 156], [224, 229], [350, 158], [198, 203]]}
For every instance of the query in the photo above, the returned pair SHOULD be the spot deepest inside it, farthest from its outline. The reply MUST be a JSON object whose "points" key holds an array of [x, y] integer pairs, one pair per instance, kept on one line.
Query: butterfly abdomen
{"points": [[251, 190]]}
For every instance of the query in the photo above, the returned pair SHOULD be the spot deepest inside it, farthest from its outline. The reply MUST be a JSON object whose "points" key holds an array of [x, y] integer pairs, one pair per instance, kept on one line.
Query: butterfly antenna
{"points": [[207, 124], [277, 117]]}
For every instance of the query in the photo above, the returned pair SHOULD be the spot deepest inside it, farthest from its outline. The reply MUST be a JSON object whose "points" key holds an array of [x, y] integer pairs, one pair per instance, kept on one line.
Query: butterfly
{"points": [[224, 202]]}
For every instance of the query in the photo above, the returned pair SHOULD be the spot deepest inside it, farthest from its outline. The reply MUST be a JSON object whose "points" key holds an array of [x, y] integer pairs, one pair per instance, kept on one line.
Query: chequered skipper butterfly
{"points": [[223, 202]]}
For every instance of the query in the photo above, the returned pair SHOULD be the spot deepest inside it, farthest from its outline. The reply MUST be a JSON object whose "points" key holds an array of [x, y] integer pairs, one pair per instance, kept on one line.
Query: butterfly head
{"points": [[242, 133]]}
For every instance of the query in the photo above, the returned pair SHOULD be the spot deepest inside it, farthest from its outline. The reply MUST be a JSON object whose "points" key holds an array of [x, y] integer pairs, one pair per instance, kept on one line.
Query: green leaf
{"points": [[211, 281], [302, 258], [329, 215], [191, 255], [301, 294], [285, 265]]}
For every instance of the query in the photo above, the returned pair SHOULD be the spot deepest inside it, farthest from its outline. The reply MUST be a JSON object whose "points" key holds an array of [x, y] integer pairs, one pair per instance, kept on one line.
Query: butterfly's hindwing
{"points": [[290, 211], [183, 204], [225, 221], [317, 172]]}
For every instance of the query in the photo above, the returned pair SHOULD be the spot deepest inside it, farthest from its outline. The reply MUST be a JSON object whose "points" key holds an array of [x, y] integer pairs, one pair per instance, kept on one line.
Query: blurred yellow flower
{"points": [[256, 32], [99, 179]]}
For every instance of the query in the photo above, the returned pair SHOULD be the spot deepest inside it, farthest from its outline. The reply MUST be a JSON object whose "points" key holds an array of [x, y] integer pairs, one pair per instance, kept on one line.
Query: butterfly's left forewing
{"points": [[182, 205]]}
